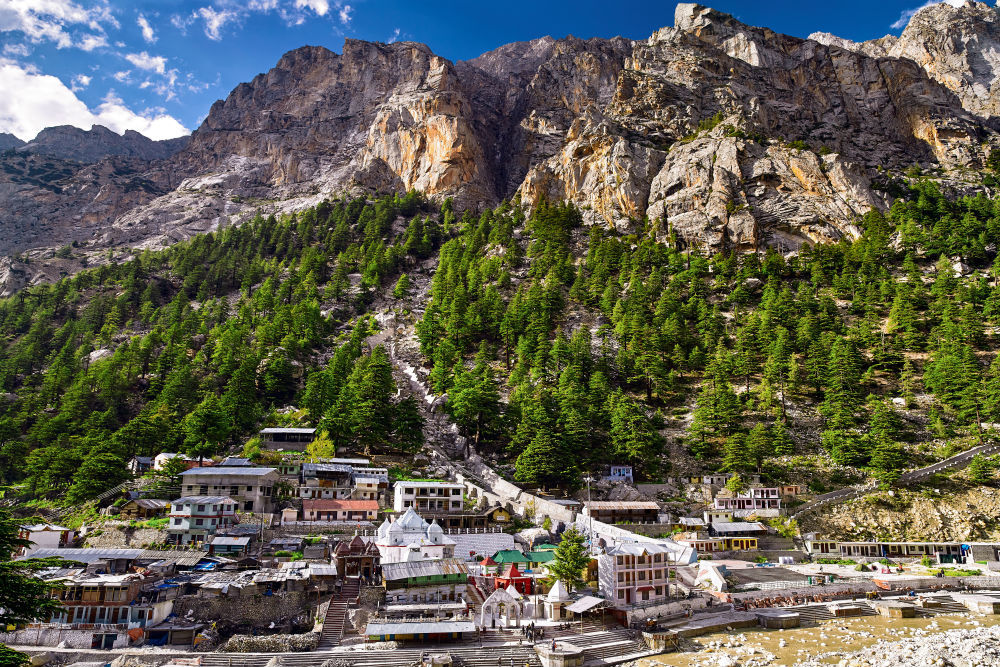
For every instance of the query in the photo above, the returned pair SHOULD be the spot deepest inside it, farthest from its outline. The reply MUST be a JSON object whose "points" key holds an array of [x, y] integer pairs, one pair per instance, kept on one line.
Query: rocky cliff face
{"points": [[71, 143], [733, 135], [958, 45]]}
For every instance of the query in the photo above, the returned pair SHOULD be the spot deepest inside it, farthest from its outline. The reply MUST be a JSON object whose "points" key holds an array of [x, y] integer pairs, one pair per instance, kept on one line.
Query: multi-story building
{"points": [[100, 610], [251, 488], [619, 473], [411, 538], [752, 499], [429, 497], [326, 481], [443, 580], [634, 572], [195, 518], [339, 510]]}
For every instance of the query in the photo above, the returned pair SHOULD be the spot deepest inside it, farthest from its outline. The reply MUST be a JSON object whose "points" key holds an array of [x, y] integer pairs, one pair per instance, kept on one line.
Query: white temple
{"points": [[411, 538]]}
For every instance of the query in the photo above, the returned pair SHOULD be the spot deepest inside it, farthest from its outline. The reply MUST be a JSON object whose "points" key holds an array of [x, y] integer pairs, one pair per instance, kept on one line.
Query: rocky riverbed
{"points": [[947, 640]]}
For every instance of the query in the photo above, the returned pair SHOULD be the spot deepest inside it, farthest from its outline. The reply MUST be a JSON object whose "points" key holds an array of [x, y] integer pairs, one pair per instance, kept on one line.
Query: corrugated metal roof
{"points": [[223, 541], [486, 544], [87, 555], [309, 469], [623, 505], [296, 431], [383, 629], [203, 500], [181, 557], [738, 527], [227, 471], [586, 603], [427, 568]]}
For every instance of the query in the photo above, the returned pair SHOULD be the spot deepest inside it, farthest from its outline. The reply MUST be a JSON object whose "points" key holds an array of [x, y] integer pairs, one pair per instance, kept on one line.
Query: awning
{"points": [[586, 603], [645, 588]]}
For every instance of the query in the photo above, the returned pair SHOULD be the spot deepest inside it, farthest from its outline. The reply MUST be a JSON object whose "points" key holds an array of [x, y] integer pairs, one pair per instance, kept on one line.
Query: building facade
{"points": [[251, 488], [429, 497], [193, 519], [634, 572]]}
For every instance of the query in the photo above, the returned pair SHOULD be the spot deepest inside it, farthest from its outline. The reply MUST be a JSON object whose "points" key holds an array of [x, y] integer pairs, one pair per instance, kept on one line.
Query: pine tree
{"points": [[571, 560]]}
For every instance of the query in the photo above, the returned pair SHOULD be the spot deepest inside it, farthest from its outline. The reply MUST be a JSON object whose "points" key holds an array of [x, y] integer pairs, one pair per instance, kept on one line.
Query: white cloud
{"points": [[907, 14], [80, 81], [123, 76], [394, 38], [91, 42], [16, 50], [44, 101], [321, 7], [215, 19], [145, 61], [147, 30], [345, 14], [53, 21]]}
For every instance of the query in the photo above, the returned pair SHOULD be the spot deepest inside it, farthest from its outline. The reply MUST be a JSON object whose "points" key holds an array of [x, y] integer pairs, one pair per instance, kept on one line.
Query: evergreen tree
{"points": [[571, 560]]}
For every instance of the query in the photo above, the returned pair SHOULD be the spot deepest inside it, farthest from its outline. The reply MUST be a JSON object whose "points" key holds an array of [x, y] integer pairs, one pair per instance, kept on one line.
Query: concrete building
{"points": [[753, 499], [326, 481], [289, 439], [161, 459], [429, 497], [631, 573], [619, 473], [44, 536], [251, 488], [339, 510], [410, 538], [196, 518]]}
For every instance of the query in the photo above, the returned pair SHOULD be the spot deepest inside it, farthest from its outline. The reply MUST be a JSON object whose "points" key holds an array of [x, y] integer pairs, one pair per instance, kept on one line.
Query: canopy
{"points": [[586, 603]]}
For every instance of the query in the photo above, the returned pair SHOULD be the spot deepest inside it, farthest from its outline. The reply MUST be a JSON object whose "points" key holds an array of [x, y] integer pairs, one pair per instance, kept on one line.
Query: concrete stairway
{"points": [[336, 615]]}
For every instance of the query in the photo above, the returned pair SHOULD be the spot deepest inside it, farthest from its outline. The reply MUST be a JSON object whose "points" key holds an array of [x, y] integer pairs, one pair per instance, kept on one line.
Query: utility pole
{"points": [[590, 516]]}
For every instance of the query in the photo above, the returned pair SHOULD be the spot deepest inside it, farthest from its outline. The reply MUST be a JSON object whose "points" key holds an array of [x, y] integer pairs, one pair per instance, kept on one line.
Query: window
{"points": [[249, 488], [201, 508], [199, 522], [177, 521], [234, 490]]}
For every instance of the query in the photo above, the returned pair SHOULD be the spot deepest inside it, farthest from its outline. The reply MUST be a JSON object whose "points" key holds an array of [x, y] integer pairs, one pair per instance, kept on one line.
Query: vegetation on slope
{"points": [[560, 347]]}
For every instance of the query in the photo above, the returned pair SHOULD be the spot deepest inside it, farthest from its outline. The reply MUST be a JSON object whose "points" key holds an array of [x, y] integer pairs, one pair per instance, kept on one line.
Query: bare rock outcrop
{"points": [[733, 135]]}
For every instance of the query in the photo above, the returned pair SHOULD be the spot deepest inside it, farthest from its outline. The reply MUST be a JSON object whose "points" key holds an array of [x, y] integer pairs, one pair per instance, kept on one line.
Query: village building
{"points": [[752, 499], [441, 580], [622, 511], [251, 488], [411, 538], [429, 497], [195, 518], [618, 473], [326, 481], [139, 465], [339, 510], [144, 508], [230, 547], [43, 536], [288, 439], [161, 459], [634, 572]]}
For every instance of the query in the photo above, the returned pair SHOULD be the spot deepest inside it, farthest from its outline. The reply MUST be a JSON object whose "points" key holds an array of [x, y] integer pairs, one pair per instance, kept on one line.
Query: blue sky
{"points": [[156, 66]]}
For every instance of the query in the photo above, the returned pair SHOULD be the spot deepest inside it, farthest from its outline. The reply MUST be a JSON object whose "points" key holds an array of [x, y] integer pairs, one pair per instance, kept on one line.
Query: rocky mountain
{"points": [[958, 45], [8, 141], [733, 135], [89, 146]]}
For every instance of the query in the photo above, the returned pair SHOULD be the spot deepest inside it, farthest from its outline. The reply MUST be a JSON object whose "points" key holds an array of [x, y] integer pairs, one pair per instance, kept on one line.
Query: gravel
{"points": [[973, 647]]}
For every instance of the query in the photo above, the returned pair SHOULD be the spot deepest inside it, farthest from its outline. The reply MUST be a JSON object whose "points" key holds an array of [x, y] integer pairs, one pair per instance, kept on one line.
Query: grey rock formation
{"points": [[88, 146], [8, 141], [733, 135]]}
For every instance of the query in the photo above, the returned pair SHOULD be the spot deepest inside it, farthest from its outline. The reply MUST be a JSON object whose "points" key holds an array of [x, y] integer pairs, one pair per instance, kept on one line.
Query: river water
{"points": [[785, 648]]}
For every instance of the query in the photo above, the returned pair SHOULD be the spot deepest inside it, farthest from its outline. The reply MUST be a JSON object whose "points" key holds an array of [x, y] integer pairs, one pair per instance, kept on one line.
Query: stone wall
{"points": [[54, 637], [255, 611]]}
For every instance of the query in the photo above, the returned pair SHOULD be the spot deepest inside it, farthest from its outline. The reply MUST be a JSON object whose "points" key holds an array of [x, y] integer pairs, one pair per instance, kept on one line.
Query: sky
{"points": [[156, 66]]}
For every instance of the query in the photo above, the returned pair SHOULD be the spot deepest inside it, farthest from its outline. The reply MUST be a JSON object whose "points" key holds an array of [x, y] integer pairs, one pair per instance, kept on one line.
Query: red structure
{"points": [[511, 576]]}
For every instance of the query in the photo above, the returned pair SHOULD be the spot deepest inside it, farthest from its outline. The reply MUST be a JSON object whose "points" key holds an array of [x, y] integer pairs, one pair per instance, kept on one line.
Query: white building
{"points": [[619, 474], [161, 459], [410, 538], [430, 497], [634, 572], [251, 488], [195, 518], [44, 536]]}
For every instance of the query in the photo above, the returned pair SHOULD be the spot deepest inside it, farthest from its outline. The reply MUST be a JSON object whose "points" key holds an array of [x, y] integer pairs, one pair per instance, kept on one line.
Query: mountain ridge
{"points": [[735, 136]]}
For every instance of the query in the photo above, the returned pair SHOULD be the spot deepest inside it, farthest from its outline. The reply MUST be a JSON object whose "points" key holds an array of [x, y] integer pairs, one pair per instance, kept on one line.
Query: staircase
{"points": [[336, 614]]}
